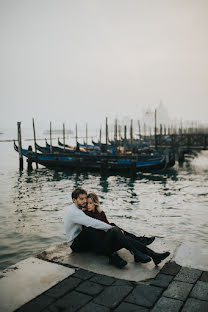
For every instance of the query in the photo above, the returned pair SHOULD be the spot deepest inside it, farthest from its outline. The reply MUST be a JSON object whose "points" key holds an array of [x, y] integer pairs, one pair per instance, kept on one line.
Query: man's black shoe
{"points": [[140, 257], [116, 260], [146, 240]]}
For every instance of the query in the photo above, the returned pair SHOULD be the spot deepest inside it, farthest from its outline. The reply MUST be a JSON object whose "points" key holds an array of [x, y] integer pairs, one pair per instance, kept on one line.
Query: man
{"points": [[87, 239]]}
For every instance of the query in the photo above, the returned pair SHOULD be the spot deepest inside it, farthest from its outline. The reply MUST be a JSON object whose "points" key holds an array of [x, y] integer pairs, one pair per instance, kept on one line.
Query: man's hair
{"points": [[77, 192]]}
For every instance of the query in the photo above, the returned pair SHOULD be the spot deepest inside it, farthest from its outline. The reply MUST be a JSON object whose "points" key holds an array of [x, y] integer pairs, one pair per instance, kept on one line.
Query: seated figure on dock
{"points": [[82, 235], [94, 210]]}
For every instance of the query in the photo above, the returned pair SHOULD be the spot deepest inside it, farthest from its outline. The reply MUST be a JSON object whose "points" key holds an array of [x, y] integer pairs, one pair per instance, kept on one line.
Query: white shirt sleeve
{"points": [[81, 218]]}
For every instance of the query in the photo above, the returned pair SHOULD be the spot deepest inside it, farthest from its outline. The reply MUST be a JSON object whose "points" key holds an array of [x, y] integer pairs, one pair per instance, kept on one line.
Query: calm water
{"points": [[171, 204]]}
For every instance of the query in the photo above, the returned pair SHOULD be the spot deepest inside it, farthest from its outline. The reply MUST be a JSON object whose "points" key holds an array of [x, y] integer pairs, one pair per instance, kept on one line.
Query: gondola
{"points": [[52, 149], [66, 145], [90, 161]]}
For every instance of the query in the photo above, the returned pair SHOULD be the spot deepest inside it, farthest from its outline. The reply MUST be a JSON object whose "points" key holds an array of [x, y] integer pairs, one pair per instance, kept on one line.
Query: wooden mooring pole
{"points": [[86, 135], [106, 133], [64, 136], [140, 137], [100, 139], [50, 138], [19, 135], [34, 134], [131, 134], [155, 129]]}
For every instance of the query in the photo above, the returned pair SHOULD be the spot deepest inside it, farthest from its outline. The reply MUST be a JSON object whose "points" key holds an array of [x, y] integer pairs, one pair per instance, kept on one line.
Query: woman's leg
{"points": [[156, 257], [115, 240], [142, 239]]}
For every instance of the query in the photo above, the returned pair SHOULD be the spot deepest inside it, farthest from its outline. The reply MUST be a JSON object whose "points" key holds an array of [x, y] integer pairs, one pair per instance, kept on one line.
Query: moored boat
{"points": [[95, 161]]}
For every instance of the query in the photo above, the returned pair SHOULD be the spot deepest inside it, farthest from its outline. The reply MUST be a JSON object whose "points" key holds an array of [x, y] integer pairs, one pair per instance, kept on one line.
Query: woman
{"points": [[94, 211], [129, 240]]}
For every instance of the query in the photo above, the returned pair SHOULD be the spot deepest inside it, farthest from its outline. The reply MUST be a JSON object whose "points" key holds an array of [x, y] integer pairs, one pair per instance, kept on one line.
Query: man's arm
{"points": [[83, 219]]}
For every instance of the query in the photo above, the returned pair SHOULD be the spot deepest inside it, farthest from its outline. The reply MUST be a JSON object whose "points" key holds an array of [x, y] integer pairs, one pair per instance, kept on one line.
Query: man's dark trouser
{"points": [[90, 239]]}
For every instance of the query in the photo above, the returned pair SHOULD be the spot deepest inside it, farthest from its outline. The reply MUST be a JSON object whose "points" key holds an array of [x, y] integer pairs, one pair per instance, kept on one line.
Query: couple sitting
{"points": [[87, 229]]}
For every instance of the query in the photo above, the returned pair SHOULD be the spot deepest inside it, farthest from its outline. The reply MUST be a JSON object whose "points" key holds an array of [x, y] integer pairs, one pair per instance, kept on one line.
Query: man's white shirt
{"points": [[75, 218]]}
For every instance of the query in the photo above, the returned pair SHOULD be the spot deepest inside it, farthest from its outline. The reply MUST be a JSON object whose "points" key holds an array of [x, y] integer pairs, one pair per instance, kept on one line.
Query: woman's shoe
{"points": [[158, 257], [146, 240], [140, 257]]}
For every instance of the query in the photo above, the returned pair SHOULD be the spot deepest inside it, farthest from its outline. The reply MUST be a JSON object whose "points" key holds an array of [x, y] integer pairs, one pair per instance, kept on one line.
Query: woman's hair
{"points": [[95, 200]]}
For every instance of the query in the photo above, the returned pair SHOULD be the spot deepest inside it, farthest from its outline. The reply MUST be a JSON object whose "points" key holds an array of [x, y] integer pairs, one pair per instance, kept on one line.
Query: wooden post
{"points": [[19, 135], [86, 135], [145, 131], [106, 132], [116, 132], [160, 134], [100, 135], [125, 133], [155, 129], [64, 136], [131, 134], [77, 145], [34, 140], [140, 138], [119, 133], [29, 159], [50, 138]]}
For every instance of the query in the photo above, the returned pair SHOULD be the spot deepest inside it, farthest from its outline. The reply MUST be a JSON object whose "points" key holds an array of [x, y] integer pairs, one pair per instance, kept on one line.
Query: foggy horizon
{"points": [[82, 61]]}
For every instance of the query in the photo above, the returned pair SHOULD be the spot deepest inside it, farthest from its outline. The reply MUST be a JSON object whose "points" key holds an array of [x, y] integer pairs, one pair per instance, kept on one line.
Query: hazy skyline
{"points": [[79, 61]]}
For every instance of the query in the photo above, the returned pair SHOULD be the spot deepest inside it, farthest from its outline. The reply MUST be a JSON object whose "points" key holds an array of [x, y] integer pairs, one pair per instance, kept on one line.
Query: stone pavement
{"points": [[175, 288]]}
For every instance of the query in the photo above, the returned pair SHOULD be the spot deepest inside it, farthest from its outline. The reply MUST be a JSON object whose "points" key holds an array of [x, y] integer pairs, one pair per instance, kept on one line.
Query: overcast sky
{"points": [[67, 61]]}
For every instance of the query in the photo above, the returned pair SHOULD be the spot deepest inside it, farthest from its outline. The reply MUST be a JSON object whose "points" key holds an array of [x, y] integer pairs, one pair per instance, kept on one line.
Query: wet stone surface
{"points": [[86, 291], [188, 275], [194, 305], [178, 290], [167, 304], [144, 295], [200, 291], [162, 280]]}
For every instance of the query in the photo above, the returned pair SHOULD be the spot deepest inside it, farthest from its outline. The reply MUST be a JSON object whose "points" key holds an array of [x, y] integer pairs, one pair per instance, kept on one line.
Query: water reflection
{"points": [[169, 204]]}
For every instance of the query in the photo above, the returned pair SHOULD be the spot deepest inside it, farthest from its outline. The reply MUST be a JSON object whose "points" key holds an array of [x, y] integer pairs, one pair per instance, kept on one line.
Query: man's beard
{"points": [[82, 206]]}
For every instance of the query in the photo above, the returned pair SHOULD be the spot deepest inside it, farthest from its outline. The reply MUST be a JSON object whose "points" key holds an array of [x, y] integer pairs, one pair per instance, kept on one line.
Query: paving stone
{"points": [[200, 291], [64, 287], [72, 301], [144, 295], [129, 307], [167, 305], [162, 280], [112, 296], [90, 288], [37, 304], [188, 275], [120, 282], [83, 274], [194, 305], [52, 308], [102, 279], [178, 290], [204, 277], [93, 307], [170, 268]]}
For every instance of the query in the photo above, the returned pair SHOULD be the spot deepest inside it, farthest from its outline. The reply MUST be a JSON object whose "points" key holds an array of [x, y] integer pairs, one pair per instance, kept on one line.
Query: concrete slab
{"points": [[62, 254], [27, 279], [191, 255]]}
